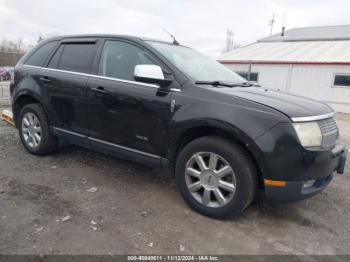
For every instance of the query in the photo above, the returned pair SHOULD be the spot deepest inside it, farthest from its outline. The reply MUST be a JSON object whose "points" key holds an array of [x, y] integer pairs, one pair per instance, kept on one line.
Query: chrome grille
{"points": [[329, 131]]}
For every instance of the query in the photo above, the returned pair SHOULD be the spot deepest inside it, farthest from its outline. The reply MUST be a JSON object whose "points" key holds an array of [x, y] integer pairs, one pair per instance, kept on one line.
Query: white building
{"points": [[312, 62]]}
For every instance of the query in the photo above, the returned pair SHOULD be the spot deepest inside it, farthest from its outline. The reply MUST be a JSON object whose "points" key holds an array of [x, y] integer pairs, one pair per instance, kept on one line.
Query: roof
{"points": [[317, 33], [291, 52], [130, 37], [306, 45]]}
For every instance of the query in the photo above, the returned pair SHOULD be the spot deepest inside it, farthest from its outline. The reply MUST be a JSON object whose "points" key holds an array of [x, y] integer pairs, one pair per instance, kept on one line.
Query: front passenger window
{"points": [[118, 60]]}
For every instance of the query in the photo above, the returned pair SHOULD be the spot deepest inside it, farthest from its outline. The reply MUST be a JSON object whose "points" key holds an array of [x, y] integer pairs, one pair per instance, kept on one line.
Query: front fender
{"points": [[224, 128], [242, 120]]}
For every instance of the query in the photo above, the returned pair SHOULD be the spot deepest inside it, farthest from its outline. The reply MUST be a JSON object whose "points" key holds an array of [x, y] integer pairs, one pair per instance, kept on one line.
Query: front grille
{"points": [[329, 131]]}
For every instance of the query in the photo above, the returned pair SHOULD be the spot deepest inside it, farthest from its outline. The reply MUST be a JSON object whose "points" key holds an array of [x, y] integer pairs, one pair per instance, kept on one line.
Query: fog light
{"points": [[308, 183]]}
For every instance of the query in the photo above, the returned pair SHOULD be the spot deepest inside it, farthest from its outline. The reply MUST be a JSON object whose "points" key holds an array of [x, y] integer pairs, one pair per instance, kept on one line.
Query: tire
{"points": [[48, 142], [244, 177]]}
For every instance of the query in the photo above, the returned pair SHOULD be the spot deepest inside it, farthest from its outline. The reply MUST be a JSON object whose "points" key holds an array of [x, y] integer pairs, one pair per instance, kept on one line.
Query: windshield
{"points": [[196, 65]]}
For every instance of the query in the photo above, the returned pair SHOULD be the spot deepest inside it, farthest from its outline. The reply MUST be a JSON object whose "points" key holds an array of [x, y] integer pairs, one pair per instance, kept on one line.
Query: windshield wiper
{"points": [[220, 83]]}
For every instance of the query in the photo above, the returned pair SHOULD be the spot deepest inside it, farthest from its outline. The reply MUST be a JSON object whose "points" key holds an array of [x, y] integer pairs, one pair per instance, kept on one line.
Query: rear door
{"points": [[65, 79]]}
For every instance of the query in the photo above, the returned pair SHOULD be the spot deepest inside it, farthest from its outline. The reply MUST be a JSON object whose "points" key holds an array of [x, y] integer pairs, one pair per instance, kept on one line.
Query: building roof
{"points": [[292, 51], [305, 52], [317, 33]]}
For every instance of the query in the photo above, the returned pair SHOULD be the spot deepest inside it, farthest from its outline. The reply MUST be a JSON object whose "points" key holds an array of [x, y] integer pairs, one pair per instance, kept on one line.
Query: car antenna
{"points": [[175, 42]]}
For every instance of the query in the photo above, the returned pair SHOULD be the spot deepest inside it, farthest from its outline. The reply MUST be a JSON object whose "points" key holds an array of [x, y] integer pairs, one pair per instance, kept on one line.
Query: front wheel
{"points": [[216, 177]]}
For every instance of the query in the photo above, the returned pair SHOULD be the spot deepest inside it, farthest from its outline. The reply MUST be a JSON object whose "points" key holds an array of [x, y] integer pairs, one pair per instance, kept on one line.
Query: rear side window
{"points": [[118, 60], [75, 57], [39, 57], [56, 58]]}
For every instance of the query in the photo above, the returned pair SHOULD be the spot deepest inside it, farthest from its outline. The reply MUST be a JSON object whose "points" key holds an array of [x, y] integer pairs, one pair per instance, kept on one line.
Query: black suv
{"points": [[165, 104]]}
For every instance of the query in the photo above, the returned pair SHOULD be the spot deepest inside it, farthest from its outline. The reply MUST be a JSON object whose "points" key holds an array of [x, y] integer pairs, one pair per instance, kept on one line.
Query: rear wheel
{"points": [[34, 130], [216, 177]]}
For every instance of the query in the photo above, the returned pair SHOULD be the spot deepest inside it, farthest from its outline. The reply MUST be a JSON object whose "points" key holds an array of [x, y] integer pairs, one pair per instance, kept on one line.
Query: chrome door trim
{"points": [[39, 67], [64, 71], [69, 132], [101, 77], [106, 143], [123, 148], [124, 81]]}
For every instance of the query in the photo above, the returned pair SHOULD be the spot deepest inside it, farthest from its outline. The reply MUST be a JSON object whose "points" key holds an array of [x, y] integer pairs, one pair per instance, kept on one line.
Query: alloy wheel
{"points": [[210, 179], [31, 130]]}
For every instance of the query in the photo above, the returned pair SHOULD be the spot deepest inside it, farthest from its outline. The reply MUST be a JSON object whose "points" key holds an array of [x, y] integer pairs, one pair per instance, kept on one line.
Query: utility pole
{"points": [[229, 40], [271, 22], [283, 27]]}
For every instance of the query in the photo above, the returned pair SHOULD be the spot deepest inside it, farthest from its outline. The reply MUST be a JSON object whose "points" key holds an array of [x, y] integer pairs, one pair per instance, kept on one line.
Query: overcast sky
{"points": [[199, 24]]}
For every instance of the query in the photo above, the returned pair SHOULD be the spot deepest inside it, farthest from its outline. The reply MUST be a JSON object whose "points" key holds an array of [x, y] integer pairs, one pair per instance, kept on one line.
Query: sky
{"points": [[199, 24]]}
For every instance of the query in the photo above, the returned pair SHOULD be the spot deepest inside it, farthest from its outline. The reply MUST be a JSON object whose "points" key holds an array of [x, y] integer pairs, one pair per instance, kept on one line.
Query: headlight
{"points": [[309, 133]]}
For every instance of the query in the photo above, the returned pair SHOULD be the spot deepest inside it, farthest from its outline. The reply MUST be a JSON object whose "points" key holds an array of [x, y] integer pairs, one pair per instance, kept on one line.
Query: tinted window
{"points": [[56, 58], [342, 80], [40, 55], [75, 57], [253, 76], [118, 60]]}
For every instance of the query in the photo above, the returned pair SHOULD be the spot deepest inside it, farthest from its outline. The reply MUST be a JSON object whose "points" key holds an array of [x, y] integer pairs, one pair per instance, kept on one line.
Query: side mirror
{"points": [[152, 74]]}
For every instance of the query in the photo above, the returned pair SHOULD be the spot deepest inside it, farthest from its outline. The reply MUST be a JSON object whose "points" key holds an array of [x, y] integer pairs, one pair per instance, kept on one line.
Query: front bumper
{"points": [[291, 191], [295, 191]]}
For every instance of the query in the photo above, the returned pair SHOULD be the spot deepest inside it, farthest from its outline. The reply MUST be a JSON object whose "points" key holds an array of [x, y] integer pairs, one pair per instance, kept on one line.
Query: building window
{"points": [[341, 80], [253, 76]]}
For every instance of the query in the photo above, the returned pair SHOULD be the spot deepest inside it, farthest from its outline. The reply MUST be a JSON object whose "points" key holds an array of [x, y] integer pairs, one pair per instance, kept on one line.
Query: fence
{"points": [[9, 58], [5, 93]]}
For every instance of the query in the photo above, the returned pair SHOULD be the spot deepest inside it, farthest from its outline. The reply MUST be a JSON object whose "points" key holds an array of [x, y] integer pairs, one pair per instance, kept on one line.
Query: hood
{"points": [[290, 105]]}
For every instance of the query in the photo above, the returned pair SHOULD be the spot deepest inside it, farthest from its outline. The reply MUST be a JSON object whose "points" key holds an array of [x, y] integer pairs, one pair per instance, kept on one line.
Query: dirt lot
{"points": [[137, 210]]}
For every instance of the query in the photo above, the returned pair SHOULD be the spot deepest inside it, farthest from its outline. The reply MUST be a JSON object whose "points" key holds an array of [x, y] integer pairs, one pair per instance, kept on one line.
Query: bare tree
{"points": [[11, 46], [42, 37], [20, 44]]}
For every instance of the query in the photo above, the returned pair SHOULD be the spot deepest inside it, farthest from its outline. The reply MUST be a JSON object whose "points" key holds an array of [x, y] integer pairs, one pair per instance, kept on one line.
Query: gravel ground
{"points": [[45, 208]]}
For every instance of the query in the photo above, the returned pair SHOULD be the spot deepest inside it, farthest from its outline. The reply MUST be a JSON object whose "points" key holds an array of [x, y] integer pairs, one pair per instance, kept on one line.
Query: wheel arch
{"points": [[225, 131], [22, 99]]}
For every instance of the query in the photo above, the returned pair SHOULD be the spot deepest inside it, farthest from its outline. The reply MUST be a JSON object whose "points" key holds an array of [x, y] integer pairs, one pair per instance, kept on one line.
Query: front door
{"points": [[125, 115]]}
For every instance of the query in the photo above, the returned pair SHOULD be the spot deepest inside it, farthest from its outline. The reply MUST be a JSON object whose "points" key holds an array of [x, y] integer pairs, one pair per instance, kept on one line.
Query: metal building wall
{"points": [[272, 76], [314, 81]]}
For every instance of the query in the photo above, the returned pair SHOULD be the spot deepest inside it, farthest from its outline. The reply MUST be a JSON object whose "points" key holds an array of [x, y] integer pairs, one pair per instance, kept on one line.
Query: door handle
{"points": [[45, 79], [99, 90]]}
